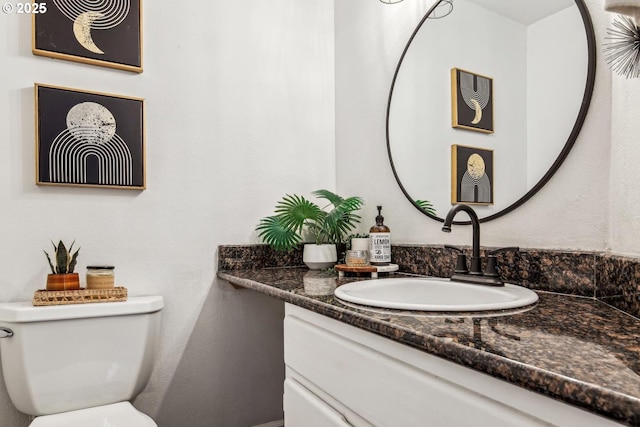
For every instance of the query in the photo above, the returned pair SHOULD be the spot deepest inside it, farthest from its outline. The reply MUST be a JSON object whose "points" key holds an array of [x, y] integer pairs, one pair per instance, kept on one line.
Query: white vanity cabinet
{"points": [[339, 375]]}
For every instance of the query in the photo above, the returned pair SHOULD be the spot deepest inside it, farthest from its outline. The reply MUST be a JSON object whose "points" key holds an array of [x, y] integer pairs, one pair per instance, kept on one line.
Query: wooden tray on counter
{"points": [[373, 269]]}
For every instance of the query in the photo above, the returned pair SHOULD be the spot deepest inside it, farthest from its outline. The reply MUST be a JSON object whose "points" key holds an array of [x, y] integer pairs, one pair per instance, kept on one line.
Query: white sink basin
{"points": [[434, 294]]}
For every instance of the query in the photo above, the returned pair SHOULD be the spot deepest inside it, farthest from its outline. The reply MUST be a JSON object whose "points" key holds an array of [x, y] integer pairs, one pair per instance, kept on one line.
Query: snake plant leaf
{"points": [[53, 270], [276, 234], [62, 258], [74, 260], [65, 262]]}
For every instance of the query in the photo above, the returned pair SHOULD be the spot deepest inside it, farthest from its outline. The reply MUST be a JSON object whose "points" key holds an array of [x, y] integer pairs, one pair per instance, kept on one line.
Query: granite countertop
{"points": [[575, 349]]}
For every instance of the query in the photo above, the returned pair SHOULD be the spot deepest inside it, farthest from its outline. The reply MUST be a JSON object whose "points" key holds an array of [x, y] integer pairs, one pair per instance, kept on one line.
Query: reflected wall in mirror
{"points": [[540, 55]]}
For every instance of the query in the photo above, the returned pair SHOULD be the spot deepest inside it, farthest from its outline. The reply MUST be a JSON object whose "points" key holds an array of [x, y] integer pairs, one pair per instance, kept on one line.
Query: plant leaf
{"points": [[294, 213], [342, 219], [74, 260], [276, 234], [62, 257], [426, 206], [53, 270], [295, 210], [333, 198]]}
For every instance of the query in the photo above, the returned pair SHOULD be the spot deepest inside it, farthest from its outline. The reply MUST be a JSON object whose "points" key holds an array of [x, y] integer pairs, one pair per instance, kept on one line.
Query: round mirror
{"points": [[487, 101]]}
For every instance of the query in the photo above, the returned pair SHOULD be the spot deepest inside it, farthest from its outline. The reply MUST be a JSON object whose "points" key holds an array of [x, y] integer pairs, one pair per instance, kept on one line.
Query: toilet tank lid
{"points": [[21, 312]]}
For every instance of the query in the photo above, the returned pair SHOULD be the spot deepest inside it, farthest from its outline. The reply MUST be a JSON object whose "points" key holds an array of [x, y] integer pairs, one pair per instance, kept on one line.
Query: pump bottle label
{"points": [[380, 247]]}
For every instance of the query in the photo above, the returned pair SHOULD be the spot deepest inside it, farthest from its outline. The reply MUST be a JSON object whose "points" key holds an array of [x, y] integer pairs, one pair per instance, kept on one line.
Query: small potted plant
{"points": [[62, 277], [329, 226]]}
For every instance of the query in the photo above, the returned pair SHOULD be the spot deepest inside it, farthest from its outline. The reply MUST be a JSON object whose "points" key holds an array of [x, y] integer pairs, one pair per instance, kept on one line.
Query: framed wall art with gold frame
{"points": [[471, 101], [89, 139], [471, 175], [99, 33]]}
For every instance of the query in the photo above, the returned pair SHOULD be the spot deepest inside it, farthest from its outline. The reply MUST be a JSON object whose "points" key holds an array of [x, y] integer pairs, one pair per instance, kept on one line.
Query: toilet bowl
{"points": [[79, 365]]}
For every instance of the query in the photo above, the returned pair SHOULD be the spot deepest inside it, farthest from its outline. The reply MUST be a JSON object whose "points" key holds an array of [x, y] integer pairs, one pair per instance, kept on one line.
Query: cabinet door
{"points": [[302, 408]]}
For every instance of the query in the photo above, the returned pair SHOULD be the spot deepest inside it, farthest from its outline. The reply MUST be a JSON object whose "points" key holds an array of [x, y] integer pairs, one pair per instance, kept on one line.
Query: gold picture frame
{"points": [[471, 175], [471, 101], [82, 31], [89, 139]]}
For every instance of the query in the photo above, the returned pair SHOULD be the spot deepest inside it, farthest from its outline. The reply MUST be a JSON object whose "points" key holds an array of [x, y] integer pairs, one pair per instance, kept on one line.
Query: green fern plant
{"points": [[65, 259], [294, 214]]}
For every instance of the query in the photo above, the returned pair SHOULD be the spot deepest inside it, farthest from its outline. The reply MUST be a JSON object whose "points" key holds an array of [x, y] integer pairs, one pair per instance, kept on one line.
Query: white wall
{"points": [[625, 174], [571, 211], [239, 110]]}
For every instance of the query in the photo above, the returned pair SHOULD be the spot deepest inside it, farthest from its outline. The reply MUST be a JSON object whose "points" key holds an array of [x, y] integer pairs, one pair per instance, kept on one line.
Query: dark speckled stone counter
{"points": [[575, 349]]}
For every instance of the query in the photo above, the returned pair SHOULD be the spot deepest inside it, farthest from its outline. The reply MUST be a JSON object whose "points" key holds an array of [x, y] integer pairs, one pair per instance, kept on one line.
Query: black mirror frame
{"points": [[582, 114]]}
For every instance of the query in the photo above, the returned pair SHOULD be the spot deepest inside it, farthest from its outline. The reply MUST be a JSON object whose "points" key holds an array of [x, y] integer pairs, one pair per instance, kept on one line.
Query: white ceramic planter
{"points": [[318, 257]]}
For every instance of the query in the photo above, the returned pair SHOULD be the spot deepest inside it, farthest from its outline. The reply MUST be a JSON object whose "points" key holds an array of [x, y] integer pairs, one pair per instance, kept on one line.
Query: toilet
{"points": [[79, 365]]}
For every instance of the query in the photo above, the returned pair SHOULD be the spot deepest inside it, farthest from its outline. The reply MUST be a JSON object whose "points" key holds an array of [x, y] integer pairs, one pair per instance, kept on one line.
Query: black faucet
{"points": [[474, 275], [476, 268]]}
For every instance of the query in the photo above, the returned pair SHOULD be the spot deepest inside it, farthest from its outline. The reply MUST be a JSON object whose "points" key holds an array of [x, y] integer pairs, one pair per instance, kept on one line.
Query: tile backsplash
{"points": [[612, 279]]}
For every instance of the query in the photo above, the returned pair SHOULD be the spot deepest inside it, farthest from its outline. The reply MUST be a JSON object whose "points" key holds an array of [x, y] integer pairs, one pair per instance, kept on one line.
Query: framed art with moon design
{"points": [[471, 175], [107, 33], [471, 101], [89, 139]]}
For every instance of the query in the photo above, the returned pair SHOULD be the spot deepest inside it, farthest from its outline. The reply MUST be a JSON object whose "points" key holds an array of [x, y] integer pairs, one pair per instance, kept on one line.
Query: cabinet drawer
{"points": [[302, 408]]}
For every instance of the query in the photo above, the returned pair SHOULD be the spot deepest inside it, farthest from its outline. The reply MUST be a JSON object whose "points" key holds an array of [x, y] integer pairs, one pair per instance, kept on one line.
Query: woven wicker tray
{"points": [[80, 296]]}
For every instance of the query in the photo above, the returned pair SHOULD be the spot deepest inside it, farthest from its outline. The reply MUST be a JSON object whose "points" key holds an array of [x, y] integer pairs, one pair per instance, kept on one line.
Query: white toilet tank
{"points": [[67, 357]]}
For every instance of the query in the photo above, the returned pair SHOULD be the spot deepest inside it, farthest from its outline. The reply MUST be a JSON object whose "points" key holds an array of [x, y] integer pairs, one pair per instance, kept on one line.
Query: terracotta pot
{"points": [[63, 282]]}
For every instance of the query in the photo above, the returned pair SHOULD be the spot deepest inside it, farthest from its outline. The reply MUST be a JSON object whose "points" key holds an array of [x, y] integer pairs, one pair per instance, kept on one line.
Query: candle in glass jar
{"points": [[100, 276]]}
